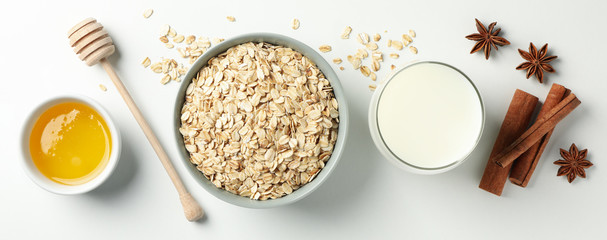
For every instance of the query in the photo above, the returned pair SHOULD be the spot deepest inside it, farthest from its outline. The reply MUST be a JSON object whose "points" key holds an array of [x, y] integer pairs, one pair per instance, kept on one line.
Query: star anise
{"points": [[486, 38], [573, 164], [537, 62]]}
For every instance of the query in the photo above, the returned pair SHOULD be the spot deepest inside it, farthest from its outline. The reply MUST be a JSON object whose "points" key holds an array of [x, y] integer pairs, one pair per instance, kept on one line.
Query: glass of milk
{"points": [[427, 117]]}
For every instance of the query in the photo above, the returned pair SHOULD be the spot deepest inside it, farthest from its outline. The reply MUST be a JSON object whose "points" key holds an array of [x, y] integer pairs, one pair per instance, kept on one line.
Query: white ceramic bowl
{"points": [[341, 132], [32, 171], [389, 154]]}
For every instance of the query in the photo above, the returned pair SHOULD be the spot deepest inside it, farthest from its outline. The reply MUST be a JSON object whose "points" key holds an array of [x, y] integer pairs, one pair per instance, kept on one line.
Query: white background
{"points": [[366, 197]]}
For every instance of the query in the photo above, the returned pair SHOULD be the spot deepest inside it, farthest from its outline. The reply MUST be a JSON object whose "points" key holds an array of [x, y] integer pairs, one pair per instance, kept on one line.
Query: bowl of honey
{"points": [[70, 145]]}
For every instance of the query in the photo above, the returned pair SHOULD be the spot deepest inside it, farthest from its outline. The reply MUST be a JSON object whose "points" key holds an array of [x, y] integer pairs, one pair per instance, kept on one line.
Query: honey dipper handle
{"points": [[191, 208]]}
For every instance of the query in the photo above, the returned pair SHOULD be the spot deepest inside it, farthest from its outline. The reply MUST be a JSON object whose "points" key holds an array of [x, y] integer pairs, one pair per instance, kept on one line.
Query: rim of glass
{"points": [[480, 99]]}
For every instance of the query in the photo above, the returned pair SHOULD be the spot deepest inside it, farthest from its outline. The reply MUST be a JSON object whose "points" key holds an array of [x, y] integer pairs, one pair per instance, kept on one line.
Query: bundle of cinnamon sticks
{"points": [[517, 148]]}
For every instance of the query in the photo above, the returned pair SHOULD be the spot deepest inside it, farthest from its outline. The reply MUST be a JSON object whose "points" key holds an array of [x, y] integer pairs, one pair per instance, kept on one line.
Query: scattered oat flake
{"points": [[102, 87], [346, 33], [341, 68], [169, 45], [217, 40], [373, 76], [377, 56], [365, 71], [375, 65], [372, 46], [372, 87], [376, 37], [405, 42], [394, 55], [362, 38], [413, 49], [324, 48], [164, 30], [148, 13], [355, 61], [172, 32], [231, 18], [389, 43], [182, 52], [392, 67], [164, 39], [398, 45], [146, 62], [179, 38], [407, 38], [412, 33], [362, 53], [156, 67], [196, 52], [295, 24], [337, 60], [165, 79], [190, 39]]}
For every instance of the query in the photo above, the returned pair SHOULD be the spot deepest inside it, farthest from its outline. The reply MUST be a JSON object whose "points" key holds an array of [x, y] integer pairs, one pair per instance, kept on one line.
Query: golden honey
{"points": [[70, 143]]}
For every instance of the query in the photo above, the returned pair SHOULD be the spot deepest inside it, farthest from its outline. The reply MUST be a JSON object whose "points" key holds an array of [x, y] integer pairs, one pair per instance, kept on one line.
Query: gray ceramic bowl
{"points": [[341, 134]]}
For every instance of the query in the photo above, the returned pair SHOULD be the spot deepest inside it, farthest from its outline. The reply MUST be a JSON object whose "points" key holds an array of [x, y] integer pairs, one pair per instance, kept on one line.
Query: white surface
{"points": [[366, 197], [429, 115]]}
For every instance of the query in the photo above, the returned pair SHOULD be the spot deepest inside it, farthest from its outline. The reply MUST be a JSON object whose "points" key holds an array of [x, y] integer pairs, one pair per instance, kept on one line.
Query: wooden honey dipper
{"points": [[93, 45]]}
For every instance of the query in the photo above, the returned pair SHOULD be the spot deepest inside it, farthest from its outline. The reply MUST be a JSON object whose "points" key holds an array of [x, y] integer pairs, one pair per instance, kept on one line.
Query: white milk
{"points": [[430, 115]]}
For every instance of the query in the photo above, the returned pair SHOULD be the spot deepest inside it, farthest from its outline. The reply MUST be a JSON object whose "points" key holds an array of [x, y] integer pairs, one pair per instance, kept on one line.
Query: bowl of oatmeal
{"points": [[260, 120]]}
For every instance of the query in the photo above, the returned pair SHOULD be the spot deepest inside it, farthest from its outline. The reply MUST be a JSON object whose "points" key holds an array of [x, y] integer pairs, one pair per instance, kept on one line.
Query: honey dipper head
{"points": [[90, 41]]}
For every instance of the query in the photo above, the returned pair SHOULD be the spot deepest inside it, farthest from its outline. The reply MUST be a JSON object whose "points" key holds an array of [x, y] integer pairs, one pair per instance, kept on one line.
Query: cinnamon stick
{"points": [[523, 167], [515, 122], [537, 131]]}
